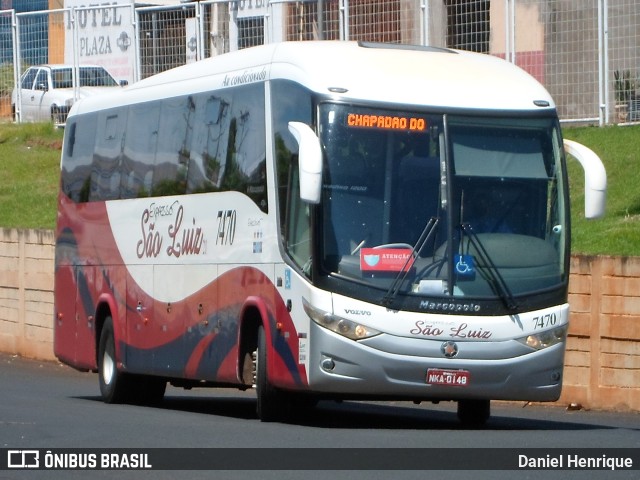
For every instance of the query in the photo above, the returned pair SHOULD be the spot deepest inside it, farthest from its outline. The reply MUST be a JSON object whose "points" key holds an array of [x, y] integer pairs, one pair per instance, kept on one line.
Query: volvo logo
{"points": [[449, 349]]}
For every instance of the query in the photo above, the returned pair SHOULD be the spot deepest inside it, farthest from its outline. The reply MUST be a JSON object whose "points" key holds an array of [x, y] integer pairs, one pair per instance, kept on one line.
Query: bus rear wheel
{"points": [[474, 413], [114, 385], [120, 387]]}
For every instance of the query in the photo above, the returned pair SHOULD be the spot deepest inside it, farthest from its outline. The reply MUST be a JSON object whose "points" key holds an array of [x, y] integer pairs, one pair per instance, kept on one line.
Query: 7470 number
{"points": [[545, 321]]}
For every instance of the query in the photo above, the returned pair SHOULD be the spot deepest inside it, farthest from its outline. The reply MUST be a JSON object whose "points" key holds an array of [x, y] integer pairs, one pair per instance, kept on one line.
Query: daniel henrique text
{"points": [[575, 461]]}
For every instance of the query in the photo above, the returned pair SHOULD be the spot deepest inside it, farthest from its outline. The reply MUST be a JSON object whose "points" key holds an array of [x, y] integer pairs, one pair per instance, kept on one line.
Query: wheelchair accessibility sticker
{"points": [[465, 267]]}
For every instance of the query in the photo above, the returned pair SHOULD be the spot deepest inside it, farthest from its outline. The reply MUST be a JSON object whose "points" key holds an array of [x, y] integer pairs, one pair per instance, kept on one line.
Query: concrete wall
{"points": [[26, 292], [603, 353], [603, 356]]}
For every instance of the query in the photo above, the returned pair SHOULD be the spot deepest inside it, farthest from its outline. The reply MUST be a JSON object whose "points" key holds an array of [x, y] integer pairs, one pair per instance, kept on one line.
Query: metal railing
{"points": [[585, 52]]}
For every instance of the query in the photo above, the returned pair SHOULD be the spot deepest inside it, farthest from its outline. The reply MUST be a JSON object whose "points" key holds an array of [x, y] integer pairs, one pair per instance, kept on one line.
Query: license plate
{"points": [[450, 378]]}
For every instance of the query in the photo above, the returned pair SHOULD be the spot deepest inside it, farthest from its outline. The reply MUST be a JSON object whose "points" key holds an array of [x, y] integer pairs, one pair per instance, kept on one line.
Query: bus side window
{"points": [[244, 168], [78, 154], [204, 169], [70, 140], [139, 150], [298, 227], [290, 102], [173, 146], [105, 176]]}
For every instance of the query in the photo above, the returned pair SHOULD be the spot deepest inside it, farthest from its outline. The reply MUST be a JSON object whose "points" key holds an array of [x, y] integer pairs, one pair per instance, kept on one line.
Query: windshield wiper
{"points": [[392, 293], [496, 279]]}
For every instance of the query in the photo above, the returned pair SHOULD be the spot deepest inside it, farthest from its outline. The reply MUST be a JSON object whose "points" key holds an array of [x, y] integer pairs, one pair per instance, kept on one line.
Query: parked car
{"points": [[46, 91]]}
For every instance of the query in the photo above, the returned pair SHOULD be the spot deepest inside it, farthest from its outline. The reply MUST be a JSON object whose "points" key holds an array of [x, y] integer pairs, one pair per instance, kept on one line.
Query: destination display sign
{"points": [[386, 122]]}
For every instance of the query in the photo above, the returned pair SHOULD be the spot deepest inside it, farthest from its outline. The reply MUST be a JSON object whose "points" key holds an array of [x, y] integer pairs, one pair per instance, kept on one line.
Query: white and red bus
{"points": [[320, 220]]}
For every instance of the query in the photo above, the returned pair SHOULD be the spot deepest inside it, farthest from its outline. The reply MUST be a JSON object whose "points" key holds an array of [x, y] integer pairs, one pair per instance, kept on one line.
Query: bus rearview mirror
{"points": [[595, 178], [310, 161]]}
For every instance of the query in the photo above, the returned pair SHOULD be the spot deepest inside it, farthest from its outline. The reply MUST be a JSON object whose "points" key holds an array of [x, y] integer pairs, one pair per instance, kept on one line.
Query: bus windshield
{"points": [[442, 205]]}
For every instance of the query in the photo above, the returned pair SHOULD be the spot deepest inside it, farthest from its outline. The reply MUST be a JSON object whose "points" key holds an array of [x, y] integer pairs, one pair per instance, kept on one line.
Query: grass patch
{"points": [[618, 233], [30, 162], [30, 159]]}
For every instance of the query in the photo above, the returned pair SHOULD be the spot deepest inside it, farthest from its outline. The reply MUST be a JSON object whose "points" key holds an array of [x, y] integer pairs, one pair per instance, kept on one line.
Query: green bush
{"points": [[30, 160]]}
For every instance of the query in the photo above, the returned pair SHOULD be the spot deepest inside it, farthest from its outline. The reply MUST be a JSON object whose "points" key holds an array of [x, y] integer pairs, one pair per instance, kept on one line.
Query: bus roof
{"points": [[354, 71]]}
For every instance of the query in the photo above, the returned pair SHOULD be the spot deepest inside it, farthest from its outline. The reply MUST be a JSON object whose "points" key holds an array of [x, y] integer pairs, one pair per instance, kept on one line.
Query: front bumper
{"points": [[342, 368]]}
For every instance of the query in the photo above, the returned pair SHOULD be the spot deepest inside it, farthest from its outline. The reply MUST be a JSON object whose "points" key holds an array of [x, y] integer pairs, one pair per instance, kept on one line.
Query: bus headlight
{"points": [[339, 325], [545, 339]]}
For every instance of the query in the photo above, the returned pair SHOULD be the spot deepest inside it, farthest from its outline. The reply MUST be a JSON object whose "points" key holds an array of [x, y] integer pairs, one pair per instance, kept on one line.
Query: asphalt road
{"points": [[49, 406]]}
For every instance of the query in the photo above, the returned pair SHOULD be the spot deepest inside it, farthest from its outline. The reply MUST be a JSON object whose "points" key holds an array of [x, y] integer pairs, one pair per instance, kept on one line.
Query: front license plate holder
{"points": [[448, 378]]}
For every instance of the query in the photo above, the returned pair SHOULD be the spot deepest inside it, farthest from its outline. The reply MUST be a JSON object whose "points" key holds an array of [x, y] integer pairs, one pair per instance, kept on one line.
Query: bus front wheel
{"points": [[270, 401]]}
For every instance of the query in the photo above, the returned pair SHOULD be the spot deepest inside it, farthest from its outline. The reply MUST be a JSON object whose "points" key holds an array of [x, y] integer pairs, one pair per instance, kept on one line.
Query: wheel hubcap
{"points": [[107, 368]]}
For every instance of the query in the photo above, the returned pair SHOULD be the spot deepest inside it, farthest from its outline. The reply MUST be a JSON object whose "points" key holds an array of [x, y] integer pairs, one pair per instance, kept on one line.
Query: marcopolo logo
{"points": [[23, 459]]}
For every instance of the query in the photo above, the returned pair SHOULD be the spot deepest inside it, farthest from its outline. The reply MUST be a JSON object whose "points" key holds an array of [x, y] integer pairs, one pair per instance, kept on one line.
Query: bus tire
{"points": [[114, 385], [270, 402], [474, 413]]}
